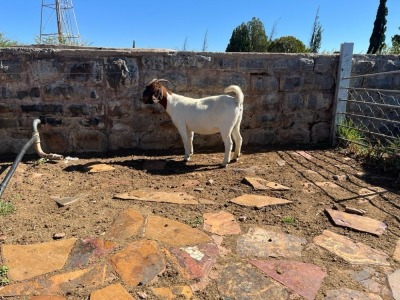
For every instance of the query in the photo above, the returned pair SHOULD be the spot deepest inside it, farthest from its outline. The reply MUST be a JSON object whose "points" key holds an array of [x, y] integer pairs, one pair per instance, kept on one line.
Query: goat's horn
{"points": [[164, 80]]}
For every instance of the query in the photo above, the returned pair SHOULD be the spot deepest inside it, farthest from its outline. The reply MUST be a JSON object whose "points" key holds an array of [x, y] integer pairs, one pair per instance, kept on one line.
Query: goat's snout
{"points": [[147, 97]]}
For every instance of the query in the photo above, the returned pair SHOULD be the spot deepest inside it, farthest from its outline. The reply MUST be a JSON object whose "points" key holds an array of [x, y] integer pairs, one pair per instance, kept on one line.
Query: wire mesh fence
{"points": [[371, 117]]}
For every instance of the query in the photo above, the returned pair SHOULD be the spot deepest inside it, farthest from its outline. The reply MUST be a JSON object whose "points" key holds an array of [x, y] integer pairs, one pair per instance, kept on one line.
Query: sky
{"points": [[178, 24]]}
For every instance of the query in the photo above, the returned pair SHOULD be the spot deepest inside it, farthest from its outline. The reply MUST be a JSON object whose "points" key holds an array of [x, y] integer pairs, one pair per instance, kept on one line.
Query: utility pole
{"points": [[65, 28]]}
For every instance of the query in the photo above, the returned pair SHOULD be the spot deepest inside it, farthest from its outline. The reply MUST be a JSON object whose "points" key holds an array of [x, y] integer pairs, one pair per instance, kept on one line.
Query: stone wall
{"points": [[89, 98]]}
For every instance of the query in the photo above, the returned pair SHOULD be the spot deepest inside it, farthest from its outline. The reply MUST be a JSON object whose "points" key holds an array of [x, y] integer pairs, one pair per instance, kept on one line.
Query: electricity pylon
{"points": [[58, 23]]}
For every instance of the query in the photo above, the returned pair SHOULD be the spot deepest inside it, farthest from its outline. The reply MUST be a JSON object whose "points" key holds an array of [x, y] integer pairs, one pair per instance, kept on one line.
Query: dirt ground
{"points": [[37, 217]]}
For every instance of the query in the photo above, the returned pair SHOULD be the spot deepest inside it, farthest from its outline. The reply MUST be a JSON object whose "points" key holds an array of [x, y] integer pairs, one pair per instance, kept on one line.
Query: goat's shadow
{"points": [[166, 167], [154, 166]]}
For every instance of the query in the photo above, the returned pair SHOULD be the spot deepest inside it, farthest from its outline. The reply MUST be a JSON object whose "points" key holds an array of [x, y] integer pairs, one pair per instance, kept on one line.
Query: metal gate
{"points": [[365, 108]]}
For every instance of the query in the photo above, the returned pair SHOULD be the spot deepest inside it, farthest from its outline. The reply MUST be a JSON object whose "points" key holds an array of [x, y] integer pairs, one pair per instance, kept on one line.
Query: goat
{"points": [[207, 115]]}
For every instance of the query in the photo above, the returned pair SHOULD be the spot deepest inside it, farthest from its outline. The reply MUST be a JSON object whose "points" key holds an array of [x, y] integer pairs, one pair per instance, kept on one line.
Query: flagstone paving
{"points": [[145, 250]]}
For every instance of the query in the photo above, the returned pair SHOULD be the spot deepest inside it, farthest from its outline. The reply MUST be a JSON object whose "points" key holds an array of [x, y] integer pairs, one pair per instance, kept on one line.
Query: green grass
{"points": [[196, 221], [288, 220], [3, 275], [381, 154], [6, 208], [351, 136]]}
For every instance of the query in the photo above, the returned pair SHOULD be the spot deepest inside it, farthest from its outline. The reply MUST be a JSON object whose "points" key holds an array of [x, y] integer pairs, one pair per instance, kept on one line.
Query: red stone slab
{"points": [[195, 261], [258, 242], [303, 278], [126, 225], [352, 252], [359, 223], [111, 292], [258, 201], [165, 197], [28, 261], [57, 284], [241, 281], [174, 233], [87, 249], [221, 223], [139, 263]]}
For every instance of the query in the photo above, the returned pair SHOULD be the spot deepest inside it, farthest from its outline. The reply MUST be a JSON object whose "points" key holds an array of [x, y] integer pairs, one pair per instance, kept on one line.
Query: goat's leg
{"points": [[185, 140], [190, 135], [237, 138], [228, 147]]}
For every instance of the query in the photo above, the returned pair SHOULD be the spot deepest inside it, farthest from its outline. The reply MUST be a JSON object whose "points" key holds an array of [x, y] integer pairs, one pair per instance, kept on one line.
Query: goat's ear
{"points": [[155, 100]]}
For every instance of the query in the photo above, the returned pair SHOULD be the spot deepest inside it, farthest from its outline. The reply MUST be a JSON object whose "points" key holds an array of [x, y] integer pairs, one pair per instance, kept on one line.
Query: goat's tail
{"points": [[237, 90]]}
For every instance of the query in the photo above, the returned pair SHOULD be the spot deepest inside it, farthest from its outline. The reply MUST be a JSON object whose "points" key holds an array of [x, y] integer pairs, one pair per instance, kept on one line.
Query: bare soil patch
{"points": [[37, 217]]}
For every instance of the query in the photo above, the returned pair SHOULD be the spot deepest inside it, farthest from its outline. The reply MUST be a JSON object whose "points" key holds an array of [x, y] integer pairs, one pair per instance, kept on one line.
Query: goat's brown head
{"points": [[155, 92]]}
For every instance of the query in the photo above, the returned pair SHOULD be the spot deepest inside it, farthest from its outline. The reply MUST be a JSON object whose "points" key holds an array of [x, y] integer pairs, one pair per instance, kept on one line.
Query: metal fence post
{"points": [[341, 93]]}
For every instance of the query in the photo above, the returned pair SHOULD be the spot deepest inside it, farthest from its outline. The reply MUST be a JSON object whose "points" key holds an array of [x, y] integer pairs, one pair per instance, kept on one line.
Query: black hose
{"points": [[14, 166]]}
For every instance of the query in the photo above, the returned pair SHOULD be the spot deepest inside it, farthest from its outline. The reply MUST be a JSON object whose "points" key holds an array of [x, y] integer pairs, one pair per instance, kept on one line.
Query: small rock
{"points": [[281, 162], [198, 189], [340, 177], [355, 211], [3, 238], [210, 182], [242, 218], [59, 235], [142, 295]]}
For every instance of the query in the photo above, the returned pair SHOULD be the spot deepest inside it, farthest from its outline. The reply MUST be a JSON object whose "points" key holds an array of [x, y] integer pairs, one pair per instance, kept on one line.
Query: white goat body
{"points": [[207, 115]]}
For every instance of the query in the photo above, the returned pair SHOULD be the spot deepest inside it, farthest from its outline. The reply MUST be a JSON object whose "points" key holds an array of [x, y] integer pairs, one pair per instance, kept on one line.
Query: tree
{"points": [[287, 44], [377, 39], [185, 44], [396, 44], [250, 37], [5, 42], [316, 36], [205, 42]]}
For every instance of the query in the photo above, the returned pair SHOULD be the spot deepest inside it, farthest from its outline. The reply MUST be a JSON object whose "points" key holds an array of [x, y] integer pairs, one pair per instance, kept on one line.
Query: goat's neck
{"points": [[163, 97]]}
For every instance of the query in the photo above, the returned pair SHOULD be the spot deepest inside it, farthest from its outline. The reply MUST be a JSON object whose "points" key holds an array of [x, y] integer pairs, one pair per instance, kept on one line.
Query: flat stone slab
{"points": [[260, 184], [57, 284], [126, 225], [258, 201], [98, 168], [139, 263], [371, 193], [165, 197], [28, 261], [258, 242], [359, 223], [221, 223], [305, 155], [195, 261], [174, 233], [347, 294], [303, 278], [334, 190], [394, 284], [352, 252], [48, 298], [372, 280], [87, 249], [64, 201], [173, 292], [111, 292], [396, 254], [240, 281]]}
